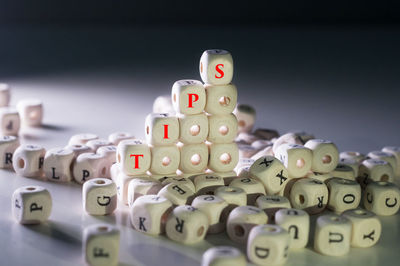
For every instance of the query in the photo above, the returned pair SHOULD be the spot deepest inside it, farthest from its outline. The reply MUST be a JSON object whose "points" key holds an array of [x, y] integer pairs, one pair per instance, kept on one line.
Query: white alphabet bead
{"points": [[31, 112], [223, 256], [246, 117], [223, 157], [352, 163], [88, 166], [4, 94], [241, 220], [332, 235], [78, 149], [186, 225], [142, 186], [299, 138], [234, 196], [178, 194], [296, 158], [193, 129], [221, 100], [206, 184], [122, 183], [109, 152], [99, 196], [116, 137], [271, 204], [366, 227], [310, 195], [165, 159], [114, 171], [134, 157], [9, 121], [382, 198], [222, 128], [344, 194], [95, 144], [188, 97], [163, 104], [28, 160], [216, 67], [57, 164], [149, 214], [297, 224], [376, 170], [81, 139], [396, 152], [343, 171], [194, 158], [31, 204], [384, 156], [216, 210], [101, 245], [251, 186], [178, 180], [325, 155], [354, 155], [8, 145], [161, 129]]}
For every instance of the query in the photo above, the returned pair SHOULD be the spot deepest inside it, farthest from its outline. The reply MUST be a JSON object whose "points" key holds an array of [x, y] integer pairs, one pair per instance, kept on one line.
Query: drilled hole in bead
{"points": [[224, 101], [147, 130], [104, 171], [165, 161], [225, 158], [77, 146], [300, 163], [360, 212], [326, 159], [30, 188], [174, 97], [33, 115], [194, 130], [201, 67], [100, 182], [239, 231], [119, 158], [223, 130], [200, 231], [21, 163], [195, 159], [102, 228], [385, 178], [241, 123], [301, 199]]}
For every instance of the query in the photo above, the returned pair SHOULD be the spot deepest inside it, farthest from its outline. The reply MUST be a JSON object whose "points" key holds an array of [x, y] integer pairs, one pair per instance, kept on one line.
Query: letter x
{"points": [[281, 177], [266, 162]]}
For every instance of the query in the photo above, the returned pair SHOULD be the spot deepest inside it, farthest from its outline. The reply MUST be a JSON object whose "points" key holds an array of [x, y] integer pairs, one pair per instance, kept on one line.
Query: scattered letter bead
{"points": [[116, 137], [382, 198], [161, 129], [343, 194], [297, 224], [95, 144], [221, 100], [246, 117], [310, 195], [325, 155], [343, 170], [134, 157], [251, 186], [28, 160], [222, 128], [223, 256], [216, 210], [81, 139], [178, 194], [57, 164], [352, 155], [234, 196], [223, 157], [299, 138], [109, 153], [384, 156], [9, 121], [31, 112], [271, 204], [206, 184], [396, 152], [142, 186], [78, 149], [188, 97], [122, 182], [88, 166], [352, 163], [99, 196], [178, 180], [296, 158], [194, 158], [193, 129], [8, 145], [376, 170], [216, 67]]}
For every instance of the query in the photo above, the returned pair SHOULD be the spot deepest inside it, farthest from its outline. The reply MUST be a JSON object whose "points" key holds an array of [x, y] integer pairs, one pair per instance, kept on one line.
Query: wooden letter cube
{"points": [[57, 164], [299, 138], [222, 128], [134, 157], [28, 160], [88, 166], [31, 112], [193, 129], [223, 256], [376, 170], [216, 67], [8, 145], [325, 155], [165, 159], [116, 137], [396, 152], [9, 121], [343, 194], [297, 224], [343, 170], [142, 186], [109, 153], [207, 183], [310, 195], [99, 196], [78, 149], [296, 158], [382, 198], [221, 100], [188, 97], [194, 158], [82, 138], [384, 156], [354, 155], [251, 186], [178, 180], [216, 210], [95, 144], [161, 129], [178, 194], [223, 157], [246, 117], [270, 204]]}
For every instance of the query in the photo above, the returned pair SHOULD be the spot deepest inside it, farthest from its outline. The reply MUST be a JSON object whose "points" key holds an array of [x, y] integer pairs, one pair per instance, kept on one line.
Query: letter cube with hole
{"points": [[82, 138], [101, 245], [351, 163], [178, 180], [31, 112], [193, 129], [221, 100], [194, 158], [310, 195], [4, 94], [134, 157], [142, 186], [116, 137], [222, 128], [161, 129], [343, 171], [188, 97], [332, 235], [186, 225], [270, 204], [28, 160], [376, 170], [216, 210], [241, 220], [268, 245], [207, 183], [99, 196], [325, 155], [149, 214], [165, 159], [296, 158], [299, 138], [384, 156], [223, 256], [216, 67], [31, 204], [366, 227], [396, 152], [122, 183], [178, 194], [234, 196], [223, 157], [57, 164], [109, 153], [95, 144], [8, 145], [9, 121], [78, 149], [88, 166], [246, 117], [297, 224], [251, 186], [382, 198], [343, 194]]}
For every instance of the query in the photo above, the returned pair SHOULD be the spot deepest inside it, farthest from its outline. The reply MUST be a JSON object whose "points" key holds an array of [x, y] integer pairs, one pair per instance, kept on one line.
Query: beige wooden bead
{"points": [[206, 184], [193, 129], [355, 155], [57, 164], [140, 186], [299, 138], [178, 194], [344, 194], [310, 195], [223, 256], [323, 177], [4, 94], [296, 158], [297, 224], [267, 151], [234, 196], [134, 156], [216, 67], [261, 144], [178, 180], [376, 170], [186, 225], [343, 171], [88, 166], [246, 117], [382, 198], [247, 151], [216, 210], [31, 204], [188, 97], [268, 245], [8, 145], [28, 160], [161, 129], [82, 139], [266, 133], [396, 152], [101, 245], [114, 171], [271, 172], [163, 104], [222, 128], [270, 204], [325, 155], [241, 220], [223, 157], [246, 138], [30, 112], [122, 183], [384, 156], [149, 214], [251, 186], [366, 227], [95, 144], [78, 149], [99, 196], [221, 99], [352, 163], [165, 159], [332, 235], [116, 137], [9, 121], [194, 158], [109, 152]]}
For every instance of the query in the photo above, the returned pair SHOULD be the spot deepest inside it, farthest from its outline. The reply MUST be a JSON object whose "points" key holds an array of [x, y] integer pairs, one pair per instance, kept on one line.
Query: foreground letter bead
{"points": [[222, 128], [116, 137], [234, 196], [165, 160], [352, 163], [161, 129], [384, 156], [382, 198], [109, 152], [81, 139], [241, 220], [101, 245], [178, 180], [95, 144], [221, 100], [366, 227], [194, 158], [78, 149], [376, 170], [216, 67], [186, 225], [223, 256], [99, 196], [31, 112], [299, 138], [149, 214], [343, 194], [134, 157], [396, 152], [188, 97], [31, 204], [28, 160], [193, 128], [246, 117], [9, 121], [268, 245], [178, 194], [122, 182], [271, 172], [142, 186], [343, 171], [223, 157], [271, 204], [57, 164], [310, 195], [251, 186], [297, 224], [88, 166], [325, 155], [8, 145], [206, 184], [4, 94], [216, 210], [332, 235], [296, 158]]}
